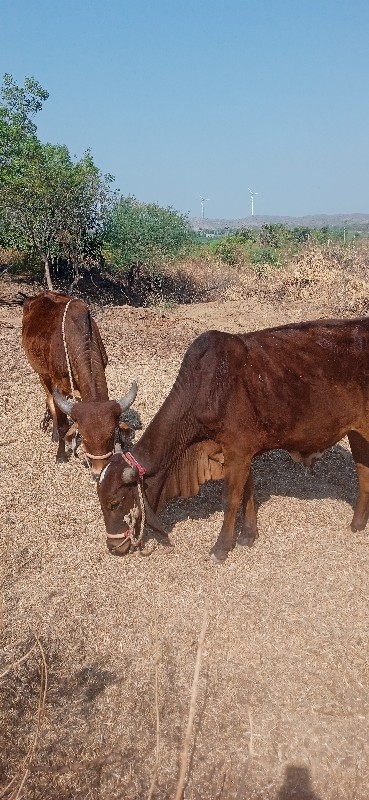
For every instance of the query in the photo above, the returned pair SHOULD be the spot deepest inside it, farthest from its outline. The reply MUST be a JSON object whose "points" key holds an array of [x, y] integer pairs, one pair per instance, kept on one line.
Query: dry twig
{"points": [[156, 768], [40, 714], [19, 661], [191, 715]]}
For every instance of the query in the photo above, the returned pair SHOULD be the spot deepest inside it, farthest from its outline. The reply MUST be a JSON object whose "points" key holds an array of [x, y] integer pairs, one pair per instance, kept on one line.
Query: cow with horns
{"points": [[300, 387], [64, 347]]}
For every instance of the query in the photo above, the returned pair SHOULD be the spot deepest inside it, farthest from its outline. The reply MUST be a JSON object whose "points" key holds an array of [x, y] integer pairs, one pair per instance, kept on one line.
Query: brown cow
{"points": [[96, 418], [299, 387]]}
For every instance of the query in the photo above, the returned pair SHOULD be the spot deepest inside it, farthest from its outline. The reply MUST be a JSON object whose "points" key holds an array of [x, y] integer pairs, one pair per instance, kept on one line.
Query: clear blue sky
{"points": [[182, 99]]}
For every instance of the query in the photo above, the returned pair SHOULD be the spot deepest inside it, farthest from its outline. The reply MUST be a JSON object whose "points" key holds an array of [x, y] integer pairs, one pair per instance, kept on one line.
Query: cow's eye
{"points": [[113, 506]]}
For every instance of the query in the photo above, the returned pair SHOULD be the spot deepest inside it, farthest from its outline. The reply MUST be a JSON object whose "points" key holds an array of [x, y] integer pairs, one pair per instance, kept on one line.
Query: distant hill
{"points": [[355, 221]]}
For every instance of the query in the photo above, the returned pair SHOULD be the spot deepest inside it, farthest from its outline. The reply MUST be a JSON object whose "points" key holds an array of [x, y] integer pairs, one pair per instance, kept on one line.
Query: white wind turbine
{"points": [[203, 201], [252, 200]]}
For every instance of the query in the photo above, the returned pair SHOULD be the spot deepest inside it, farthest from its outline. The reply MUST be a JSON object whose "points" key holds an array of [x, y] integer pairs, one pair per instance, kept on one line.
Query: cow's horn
{"points": [[126, 401], [62, 402]]}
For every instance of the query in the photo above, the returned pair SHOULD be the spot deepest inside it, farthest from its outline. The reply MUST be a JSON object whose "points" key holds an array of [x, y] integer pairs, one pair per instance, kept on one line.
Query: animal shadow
{"points": [[87, 684], [296, 785], [332, 476], [275, 473]]}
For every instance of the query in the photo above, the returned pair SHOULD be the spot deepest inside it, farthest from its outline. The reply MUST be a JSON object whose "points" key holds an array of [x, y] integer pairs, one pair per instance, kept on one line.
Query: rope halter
{"points": [[117, 447], [97, 458]]}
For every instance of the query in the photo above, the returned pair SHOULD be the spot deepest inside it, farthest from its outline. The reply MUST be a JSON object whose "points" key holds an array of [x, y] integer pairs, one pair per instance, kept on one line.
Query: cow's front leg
{"points": [[249, 525], [62, 426], [235, 478], [361, 513]]}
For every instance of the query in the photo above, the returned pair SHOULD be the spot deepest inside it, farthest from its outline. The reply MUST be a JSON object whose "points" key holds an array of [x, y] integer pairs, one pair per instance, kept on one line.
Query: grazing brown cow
{"points": [[96, 418], [299, 387]]}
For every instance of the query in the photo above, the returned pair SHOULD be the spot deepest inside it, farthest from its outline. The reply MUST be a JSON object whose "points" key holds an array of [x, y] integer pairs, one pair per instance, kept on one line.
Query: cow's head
{"points": [[123, 503], [98, 423]]}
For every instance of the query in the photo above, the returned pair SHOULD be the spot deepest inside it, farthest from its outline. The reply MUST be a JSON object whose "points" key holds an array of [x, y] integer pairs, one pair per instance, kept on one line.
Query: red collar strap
{"points": [[128, 457]]}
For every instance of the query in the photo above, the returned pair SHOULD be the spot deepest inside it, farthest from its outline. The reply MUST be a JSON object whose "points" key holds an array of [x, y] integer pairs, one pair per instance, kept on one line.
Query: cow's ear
{"points": [[130, 475], [126, 430]]}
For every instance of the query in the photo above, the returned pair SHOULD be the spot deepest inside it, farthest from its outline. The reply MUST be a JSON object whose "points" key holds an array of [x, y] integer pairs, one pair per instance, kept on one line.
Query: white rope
{"points": [[143, 516], [98, 458], [66, 351]]}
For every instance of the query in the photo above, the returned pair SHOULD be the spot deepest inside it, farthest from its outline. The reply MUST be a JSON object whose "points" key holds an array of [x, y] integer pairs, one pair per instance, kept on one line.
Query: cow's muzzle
{"points": [[128, 540]]}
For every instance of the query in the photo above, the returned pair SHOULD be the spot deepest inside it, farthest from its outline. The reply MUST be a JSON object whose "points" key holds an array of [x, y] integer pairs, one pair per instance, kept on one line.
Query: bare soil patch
{"points": [[283, 705]]}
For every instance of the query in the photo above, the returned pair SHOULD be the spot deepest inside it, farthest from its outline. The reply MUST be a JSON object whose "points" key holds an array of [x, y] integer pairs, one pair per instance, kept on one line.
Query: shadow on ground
{"points": [[332, 477]]}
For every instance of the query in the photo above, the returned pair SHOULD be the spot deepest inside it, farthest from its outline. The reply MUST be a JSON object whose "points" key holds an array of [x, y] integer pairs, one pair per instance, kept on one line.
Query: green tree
{"points": [[299, 235], [273, 235], [247, 234], [141, 235], [230, 250], [52, 205], [325, 235], [17, 130]]}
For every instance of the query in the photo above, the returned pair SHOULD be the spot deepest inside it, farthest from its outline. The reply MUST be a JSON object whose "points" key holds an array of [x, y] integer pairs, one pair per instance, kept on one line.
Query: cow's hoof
{"points": [[246, 541], [357, 527], [165, 541], [61, 459], [218, 556]]}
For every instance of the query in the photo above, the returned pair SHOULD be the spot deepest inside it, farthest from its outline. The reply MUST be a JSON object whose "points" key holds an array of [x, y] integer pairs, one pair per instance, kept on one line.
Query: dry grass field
{"points": [[101, 702]]}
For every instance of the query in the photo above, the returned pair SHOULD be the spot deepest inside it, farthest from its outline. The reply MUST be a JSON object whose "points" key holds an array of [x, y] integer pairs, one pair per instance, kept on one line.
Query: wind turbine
{"points": [[203, 201], [252, 200]]}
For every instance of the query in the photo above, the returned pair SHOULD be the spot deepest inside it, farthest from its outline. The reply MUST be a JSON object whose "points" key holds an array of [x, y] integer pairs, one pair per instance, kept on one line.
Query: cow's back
{"points": [[300, 359], [42, 331], [300, 386], [42, 337], [86, 352]]}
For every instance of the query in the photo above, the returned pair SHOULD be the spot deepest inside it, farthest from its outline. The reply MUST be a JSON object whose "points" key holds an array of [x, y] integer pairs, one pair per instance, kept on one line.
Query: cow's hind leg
{"points": [[48, 415], [60, 421], [236, 475], [46, 419], [249, 525], [360, 453]]}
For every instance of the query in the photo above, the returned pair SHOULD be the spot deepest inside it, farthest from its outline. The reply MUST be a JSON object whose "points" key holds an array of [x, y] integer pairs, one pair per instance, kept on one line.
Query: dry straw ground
{"points": [[282, 708]]}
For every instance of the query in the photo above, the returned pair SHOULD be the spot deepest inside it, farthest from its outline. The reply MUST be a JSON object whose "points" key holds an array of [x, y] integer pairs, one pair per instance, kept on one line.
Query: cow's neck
{"points": [[94, 389], [173, 429], [91, 379], [86, 359]]}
